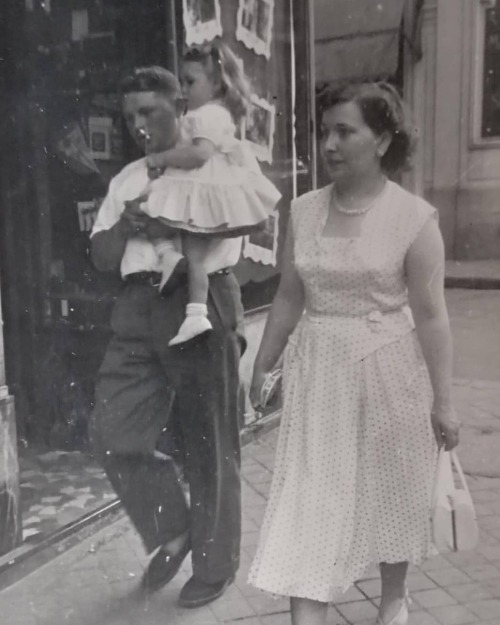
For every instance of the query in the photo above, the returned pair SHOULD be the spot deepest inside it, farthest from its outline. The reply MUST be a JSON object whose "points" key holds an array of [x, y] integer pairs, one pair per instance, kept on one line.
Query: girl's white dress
{"points": [[228, 193], [356, 454]]}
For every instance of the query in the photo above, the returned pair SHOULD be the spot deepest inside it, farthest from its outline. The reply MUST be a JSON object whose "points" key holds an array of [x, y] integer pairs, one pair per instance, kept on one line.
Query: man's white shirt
{"points": [[140, 254]]}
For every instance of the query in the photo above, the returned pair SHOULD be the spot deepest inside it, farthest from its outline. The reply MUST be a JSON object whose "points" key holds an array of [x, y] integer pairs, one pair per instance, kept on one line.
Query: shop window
{"points": [[490, 114]]}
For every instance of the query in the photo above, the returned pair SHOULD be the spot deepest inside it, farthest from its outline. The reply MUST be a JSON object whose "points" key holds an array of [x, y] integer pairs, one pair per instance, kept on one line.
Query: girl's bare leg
{"points": [[308, 612], [196, 321]]}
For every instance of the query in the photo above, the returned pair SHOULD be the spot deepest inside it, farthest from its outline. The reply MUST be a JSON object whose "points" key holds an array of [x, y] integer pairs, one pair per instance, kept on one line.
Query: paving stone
{"points": [[419, 581], [480, 572], [276, 619], [357, 610], [453, 615], [438, 562], [447, 577], [335, 618], [370, 587], [423, 618], [229, 609], [353, 594], [433, 598], [486, 608], [265, 604], [469, 592]]}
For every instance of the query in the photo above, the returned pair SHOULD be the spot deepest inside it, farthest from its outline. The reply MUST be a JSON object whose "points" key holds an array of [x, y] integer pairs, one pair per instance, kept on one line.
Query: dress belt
{"points": [[153, 278]]}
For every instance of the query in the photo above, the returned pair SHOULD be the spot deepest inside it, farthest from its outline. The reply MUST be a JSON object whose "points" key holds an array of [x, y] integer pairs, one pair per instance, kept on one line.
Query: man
{"points": [[142, 381]]}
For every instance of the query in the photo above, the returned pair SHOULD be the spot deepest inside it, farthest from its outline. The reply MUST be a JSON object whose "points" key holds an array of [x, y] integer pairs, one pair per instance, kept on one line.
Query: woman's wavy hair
{"points": [[223, 65], [383, 111]]}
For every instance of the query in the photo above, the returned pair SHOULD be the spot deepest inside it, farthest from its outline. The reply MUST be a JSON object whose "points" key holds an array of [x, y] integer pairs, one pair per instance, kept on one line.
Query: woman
{"points": [[366, 389]]}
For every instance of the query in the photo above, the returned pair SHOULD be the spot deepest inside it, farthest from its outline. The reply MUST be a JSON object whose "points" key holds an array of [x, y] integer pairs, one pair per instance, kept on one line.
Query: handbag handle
{"points": [[453, 460], [458, 467]]}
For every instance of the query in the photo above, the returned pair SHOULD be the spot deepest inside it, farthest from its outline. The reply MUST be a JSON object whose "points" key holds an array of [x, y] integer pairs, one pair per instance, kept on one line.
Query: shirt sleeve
{"points": [[212, 122], [109, 212]]}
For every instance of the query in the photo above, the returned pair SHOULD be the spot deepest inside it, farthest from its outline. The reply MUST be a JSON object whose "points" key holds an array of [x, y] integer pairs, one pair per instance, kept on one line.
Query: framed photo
{"points": [[258, 128], [262, 246], [254, 25], [100, 129], [202, 20]]}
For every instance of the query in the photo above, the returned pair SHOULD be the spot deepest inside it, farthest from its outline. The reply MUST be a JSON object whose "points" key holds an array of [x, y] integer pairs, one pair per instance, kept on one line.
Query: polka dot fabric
{"points": [[356, 454]]}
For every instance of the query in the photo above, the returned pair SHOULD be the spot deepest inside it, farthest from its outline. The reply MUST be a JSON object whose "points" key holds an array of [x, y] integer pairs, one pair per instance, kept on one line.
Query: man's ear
{"points": [[180, 106]]}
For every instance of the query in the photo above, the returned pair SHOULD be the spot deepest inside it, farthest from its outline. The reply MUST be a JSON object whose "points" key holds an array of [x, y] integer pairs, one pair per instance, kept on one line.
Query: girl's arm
{"points": [[184, 157], [425, 273], [285, 313]]}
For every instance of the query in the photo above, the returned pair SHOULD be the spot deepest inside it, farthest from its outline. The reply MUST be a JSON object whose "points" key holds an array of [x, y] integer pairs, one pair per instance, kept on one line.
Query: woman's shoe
{"points": [[402, 615]]}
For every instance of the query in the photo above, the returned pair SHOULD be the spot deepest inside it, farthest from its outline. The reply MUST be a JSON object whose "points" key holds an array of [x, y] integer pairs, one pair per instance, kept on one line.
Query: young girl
{"points": [[213, 185]]}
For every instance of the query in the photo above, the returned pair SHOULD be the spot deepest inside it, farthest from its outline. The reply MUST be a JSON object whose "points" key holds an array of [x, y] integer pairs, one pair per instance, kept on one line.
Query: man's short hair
{"points": [[154, 78]]}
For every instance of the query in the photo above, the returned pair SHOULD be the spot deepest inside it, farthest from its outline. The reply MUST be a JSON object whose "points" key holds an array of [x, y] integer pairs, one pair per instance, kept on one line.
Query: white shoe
{"points": [[402, 615], [190, 328]]}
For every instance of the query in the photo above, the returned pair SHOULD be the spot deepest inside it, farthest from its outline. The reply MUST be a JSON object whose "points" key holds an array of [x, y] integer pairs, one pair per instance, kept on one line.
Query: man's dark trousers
{"points": [[142, 384]]}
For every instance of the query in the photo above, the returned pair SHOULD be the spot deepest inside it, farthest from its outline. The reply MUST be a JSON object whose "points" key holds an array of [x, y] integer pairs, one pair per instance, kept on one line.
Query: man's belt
{"points": [[153, 278]]}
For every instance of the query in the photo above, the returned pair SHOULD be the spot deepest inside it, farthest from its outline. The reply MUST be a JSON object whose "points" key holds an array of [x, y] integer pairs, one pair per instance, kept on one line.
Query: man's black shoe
{"points": [[164, 567], [196, 593]]}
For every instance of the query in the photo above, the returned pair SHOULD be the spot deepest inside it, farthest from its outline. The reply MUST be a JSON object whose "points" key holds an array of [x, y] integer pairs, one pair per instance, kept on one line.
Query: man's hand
{"points": [[140, 223], [133, 217]]}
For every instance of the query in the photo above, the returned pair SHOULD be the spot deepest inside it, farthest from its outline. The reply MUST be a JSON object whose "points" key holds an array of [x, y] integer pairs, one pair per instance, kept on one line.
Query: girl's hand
{"points": [[446, 426], [155, 165]]}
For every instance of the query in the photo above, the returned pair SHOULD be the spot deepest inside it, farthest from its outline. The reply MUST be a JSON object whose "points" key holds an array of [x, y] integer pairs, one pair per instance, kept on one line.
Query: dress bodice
{"points": [[359, 275], [358, 285]]}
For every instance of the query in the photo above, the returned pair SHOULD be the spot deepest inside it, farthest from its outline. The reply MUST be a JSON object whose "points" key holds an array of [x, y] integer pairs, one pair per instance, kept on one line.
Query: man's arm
{"points": [[107, 246]]}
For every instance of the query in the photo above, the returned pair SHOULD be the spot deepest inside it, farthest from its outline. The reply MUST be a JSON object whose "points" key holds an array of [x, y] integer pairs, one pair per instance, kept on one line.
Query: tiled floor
{"points": [[58, 488], [96, 582]]}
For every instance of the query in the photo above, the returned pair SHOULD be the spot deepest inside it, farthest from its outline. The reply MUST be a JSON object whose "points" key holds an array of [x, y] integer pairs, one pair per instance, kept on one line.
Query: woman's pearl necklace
{"points": [[356, 211]]}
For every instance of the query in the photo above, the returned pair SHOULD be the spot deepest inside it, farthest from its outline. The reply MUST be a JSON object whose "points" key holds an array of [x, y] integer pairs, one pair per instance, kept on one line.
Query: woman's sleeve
{"points": [[212, 122], [422, 213]]}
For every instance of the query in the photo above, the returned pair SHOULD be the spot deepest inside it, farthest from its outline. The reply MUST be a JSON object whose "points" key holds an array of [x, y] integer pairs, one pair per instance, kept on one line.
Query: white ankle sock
{"points": [[196, 310]]}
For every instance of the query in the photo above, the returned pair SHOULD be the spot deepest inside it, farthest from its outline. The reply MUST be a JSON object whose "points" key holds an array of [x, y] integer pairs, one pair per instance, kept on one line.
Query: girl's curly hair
{"points": [[221, 62]]}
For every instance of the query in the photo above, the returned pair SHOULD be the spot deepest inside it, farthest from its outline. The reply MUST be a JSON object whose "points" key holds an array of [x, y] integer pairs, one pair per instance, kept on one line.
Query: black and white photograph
{"points": [[259, 127], [202, 20], [255, 25], [249, 312]]}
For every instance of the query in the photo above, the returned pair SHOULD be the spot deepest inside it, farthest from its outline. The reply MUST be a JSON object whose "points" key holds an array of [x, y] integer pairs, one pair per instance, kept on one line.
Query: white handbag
{"points": [[454, 522]]}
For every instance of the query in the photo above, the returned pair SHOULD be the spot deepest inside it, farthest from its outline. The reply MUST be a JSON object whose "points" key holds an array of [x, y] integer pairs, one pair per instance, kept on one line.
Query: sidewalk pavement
{"points": [[96, 583]]}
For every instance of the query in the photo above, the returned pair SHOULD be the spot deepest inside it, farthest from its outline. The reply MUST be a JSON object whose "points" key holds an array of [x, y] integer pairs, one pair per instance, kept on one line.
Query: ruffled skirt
{"points": [[217, 197]]}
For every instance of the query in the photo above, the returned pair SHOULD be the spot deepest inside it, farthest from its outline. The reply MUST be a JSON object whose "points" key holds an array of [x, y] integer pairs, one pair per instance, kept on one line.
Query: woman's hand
{"points": [[265, 389], [446, 426], [258, 379]]}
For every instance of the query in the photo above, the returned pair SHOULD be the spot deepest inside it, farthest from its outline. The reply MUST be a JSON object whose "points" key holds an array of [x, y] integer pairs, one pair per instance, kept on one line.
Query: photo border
{"points": [[262, 153], [201, 31], [250, 39], [261, 254]]}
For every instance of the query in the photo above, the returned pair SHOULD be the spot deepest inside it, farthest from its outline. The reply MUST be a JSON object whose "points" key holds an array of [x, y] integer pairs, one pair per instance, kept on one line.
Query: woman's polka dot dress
{"points": [[356, 454]]}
